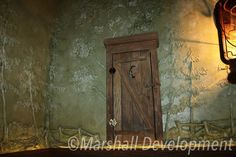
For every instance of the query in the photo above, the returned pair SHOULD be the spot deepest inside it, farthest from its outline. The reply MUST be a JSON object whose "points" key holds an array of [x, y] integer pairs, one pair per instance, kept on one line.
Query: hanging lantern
{"points": [[225, 20]]}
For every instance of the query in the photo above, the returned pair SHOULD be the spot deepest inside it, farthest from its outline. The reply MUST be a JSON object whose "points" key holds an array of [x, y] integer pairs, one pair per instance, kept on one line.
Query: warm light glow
{"points": [[231, 43], [229, 26]]}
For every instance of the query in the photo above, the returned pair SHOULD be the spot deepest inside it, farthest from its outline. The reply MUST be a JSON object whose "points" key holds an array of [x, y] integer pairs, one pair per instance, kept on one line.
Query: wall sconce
{"points": [[225, 20]]}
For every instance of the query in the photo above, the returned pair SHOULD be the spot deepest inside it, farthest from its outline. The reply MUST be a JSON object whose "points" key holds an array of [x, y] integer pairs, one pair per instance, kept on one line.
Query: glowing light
{"points": [[229, 29], [225, 20]]}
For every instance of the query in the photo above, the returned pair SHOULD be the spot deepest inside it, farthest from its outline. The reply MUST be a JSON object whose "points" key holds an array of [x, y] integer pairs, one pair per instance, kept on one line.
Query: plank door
{"points": [[133, 89], [133, 96]]}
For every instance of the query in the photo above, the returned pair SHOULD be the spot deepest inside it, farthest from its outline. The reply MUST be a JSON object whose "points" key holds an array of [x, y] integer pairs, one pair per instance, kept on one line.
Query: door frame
{"points": [[146, 41]]}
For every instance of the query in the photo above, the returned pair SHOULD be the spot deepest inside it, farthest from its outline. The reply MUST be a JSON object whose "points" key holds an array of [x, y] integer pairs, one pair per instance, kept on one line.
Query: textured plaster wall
{"points": [[25, 27], [193, 79], [52, 61]]}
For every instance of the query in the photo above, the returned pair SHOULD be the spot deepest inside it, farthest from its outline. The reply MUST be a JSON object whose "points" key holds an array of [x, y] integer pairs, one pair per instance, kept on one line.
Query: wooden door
{"points": [[133, 95]]}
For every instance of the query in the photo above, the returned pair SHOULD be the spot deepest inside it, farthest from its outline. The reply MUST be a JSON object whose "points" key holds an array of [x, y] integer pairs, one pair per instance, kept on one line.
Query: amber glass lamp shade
{"points": [[225, 20]]}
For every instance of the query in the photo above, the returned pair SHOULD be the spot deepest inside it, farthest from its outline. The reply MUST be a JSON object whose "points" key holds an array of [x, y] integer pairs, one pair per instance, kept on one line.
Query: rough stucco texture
{"points": [[194, 88], [24, 59], [53, 66]]}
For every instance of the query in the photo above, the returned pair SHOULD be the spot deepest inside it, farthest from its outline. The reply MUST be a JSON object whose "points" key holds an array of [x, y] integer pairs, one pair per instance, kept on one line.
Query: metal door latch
{"points": [[112, 70], [112, 122]]}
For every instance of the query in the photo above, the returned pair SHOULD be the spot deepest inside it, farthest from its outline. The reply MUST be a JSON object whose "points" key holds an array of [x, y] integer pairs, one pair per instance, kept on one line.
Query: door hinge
{"points": [[156, 85]]}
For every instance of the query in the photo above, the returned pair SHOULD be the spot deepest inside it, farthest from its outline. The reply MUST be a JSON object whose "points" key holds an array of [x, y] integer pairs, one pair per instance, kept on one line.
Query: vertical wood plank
{"points": [[117, 98], [156, 93], [109, 99]]}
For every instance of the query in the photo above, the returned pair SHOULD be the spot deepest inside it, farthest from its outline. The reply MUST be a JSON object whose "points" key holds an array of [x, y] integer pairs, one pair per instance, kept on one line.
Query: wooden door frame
{"points": [[140, 42]]}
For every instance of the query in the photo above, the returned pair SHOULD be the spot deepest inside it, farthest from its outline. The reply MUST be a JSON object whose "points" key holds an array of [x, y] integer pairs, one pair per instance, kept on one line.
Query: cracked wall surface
{"points": [[53, 63]]}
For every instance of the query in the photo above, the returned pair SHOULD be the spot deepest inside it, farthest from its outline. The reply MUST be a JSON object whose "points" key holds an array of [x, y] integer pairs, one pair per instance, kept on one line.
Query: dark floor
{"points": [[136, 153]]}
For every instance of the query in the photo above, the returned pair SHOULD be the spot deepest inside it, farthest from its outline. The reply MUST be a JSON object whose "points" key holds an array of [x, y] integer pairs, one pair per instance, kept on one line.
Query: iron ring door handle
{"points": [[112, 70]]}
